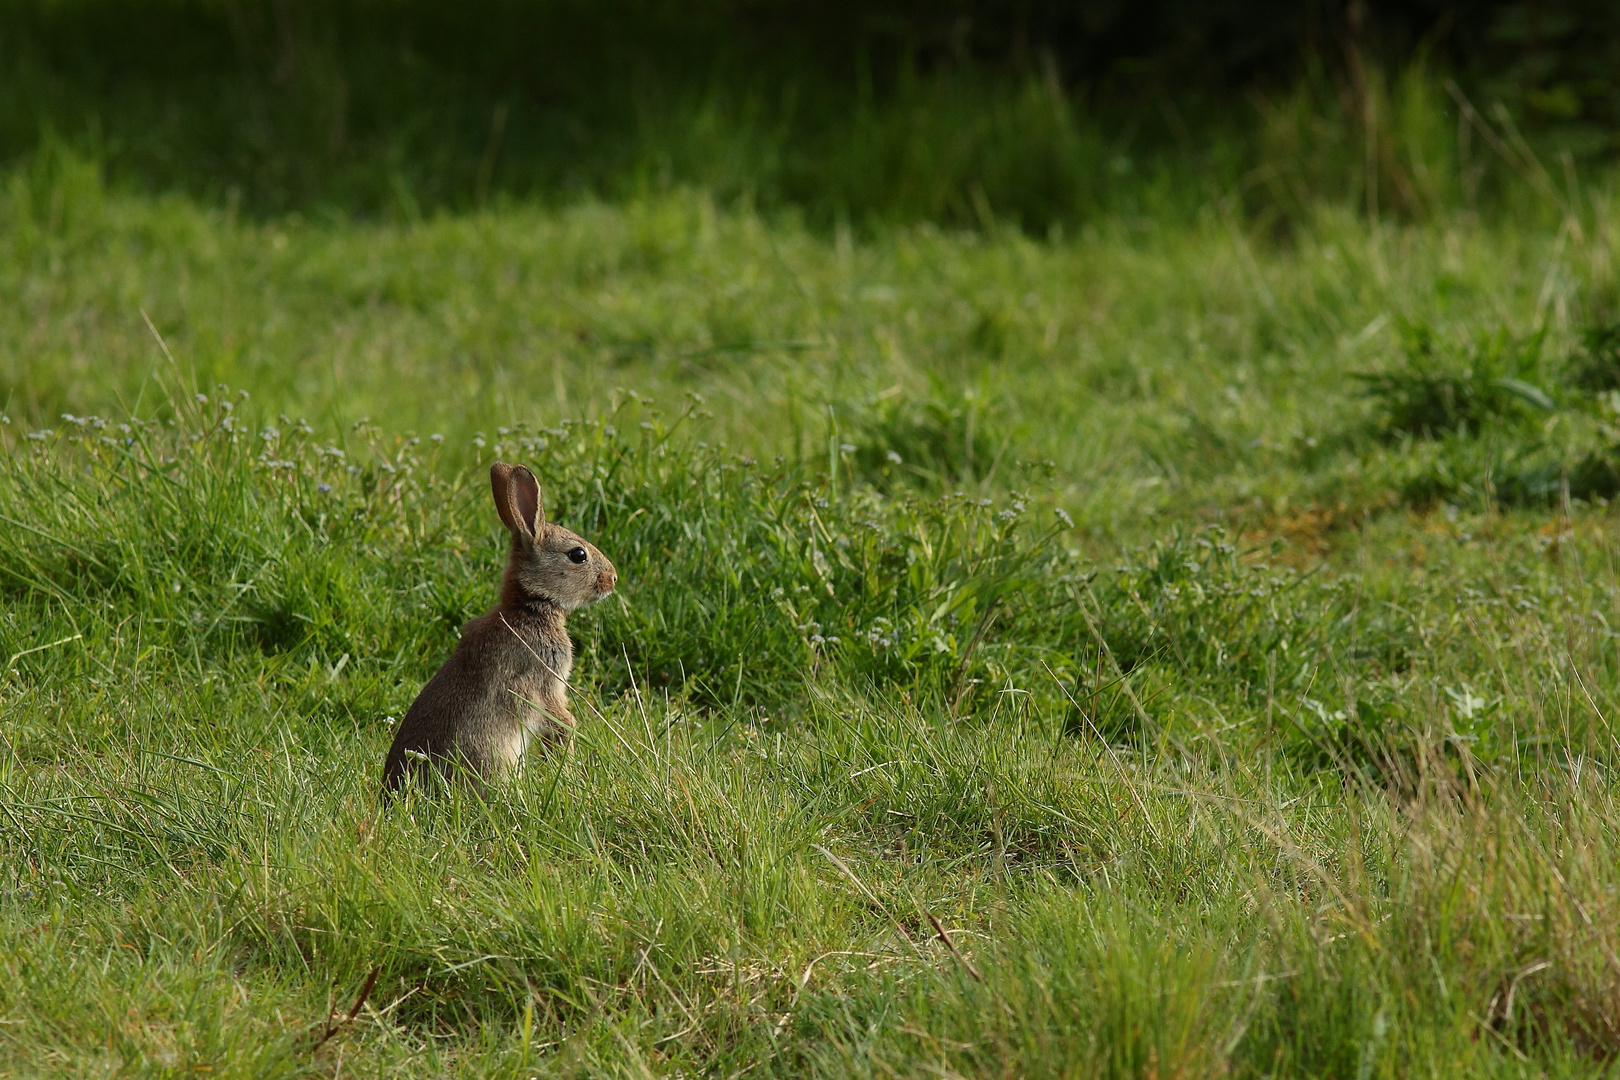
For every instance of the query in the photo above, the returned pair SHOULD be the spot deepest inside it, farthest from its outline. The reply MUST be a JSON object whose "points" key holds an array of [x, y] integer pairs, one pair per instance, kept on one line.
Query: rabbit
{"points": [[507, 681]]}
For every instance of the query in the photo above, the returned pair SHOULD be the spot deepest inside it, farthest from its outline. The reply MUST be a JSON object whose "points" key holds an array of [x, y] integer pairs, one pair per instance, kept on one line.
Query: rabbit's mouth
{"points": [[606, 582]]}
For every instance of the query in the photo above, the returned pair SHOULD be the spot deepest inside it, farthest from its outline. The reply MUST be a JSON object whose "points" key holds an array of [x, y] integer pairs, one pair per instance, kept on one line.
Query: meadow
{"points": [[1177, 644]]}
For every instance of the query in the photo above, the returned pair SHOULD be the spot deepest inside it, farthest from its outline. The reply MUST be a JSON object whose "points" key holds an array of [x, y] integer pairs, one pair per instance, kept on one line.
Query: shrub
{"points": [[1596, 365], [1439, 391]]}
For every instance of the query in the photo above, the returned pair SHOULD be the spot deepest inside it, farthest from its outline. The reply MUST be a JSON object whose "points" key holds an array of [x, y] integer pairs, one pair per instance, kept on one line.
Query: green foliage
{"points": [[1212, 748], [966, 116], [1596, 367], [940, 440], [744, 586], [1442, 391], [1460, 419]]}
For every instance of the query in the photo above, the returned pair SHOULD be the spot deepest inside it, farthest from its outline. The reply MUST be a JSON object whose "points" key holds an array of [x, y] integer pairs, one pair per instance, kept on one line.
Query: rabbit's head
{"points": [[548, 563]]}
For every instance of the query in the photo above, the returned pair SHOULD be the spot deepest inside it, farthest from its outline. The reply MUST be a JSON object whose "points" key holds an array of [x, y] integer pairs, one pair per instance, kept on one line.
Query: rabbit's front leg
{"points": [[556, 723]]}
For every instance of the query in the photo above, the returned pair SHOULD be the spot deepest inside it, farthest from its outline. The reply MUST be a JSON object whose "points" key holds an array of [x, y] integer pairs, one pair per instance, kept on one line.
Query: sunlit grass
{"points": [[1073, 594]]}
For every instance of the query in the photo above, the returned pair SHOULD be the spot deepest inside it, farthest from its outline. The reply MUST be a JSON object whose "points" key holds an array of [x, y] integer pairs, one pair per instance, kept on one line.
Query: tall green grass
{"points": [[1176, 854], [1152, 605], [343, 110]]}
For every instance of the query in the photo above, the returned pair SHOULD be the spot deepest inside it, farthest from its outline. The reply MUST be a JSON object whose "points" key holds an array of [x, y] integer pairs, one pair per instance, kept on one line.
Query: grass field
{"points": [[1152, 650]]}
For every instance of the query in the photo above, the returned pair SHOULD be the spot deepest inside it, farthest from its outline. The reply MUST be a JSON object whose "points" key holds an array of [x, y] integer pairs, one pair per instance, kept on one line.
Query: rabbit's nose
{"points": [[606, 580]]}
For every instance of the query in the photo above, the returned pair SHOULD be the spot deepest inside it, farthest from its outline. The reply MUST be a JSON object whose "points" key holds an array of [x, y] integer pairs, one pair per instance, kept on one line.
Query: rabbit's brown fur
{"points": [[507, 681]]}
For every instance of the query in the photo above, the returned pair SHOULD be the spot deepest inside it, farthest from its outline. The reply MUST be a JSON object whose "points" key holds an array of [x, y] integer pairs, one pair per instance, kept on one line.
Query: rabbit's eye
{"points": [[577, 555]]}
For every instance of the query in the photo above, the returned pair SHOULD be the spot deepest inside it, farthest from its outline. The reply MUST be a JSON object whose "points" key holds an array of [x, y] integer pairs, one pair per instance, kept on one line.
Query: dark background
{"points": [[1041, 111]]}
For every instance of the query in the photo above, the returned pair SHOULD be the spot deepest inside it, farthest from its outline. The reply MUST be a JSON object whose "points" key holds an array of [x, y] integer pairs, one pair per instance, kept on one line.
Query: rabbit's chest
{"points": [[534, 693], [542, 689], [540, 702]]}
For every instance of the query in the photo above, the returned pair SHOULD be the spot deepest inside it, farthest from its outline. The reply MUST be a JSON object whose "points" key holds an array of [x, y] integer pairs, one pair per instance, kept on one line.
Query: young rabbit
{"points": [[507, 681]]}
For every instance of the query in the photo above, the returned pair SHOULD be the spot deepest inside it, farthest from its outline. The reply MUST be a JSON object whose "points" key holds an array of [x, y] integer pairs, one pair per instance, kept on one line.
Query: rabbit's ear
{"points": [[524, 494], [517, 498]]}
